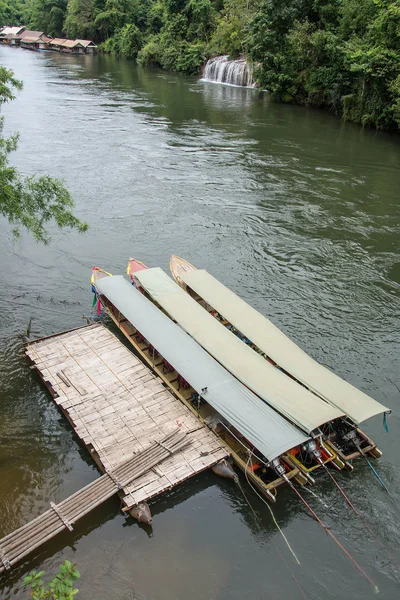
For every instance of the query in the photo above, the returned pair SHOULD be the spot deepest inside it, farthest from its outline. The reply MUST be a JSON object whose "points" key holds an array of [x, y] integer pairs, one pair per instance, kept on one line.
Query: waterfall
{"points": [[233, 72]]}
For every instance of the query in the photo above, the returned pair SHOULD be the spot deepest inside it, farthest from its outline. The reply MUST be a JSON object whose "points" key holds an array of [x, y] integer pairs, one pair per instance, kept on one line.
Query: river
{"points": [[293, 209]]}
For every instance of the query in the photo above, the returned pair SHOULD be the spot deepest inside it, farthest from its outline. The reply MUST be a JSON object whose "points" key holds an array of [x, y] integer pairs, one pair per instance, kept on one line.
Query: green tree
{"points": [[231, 35], [59, 588], [30, 202], [80, 17], [12, 12], [126, 42], [344, 56], [111, 18], [47, 16]]}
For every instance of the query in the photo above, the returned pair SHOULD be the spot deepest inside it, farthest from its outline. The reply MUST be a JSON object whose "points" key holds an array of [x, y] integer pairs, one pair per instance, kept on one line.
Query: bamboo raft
{"points": [[15, 546], [140, 435]]}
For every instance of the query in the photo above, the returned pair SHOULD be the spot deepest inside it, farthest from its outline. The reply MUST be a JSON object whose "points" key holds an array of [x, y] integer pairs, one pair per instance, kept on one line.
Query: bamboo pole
{"points": [[28, 530], [35, 546], [10, 535], [101, 489], [29, 537]]}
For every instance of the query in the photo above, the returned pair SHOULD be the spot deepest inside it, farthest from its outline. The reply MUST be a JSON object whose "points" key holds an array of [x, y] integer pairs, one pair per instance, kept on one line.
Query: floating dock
{"points": [[120, 410]]}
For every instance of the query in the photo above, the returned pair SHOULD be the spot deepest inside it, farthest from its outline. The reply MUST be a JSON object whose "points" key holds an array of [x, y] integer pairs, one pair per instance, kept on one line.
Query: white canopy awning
{"points": [[289, 398], [270, 433], [285, 353]]}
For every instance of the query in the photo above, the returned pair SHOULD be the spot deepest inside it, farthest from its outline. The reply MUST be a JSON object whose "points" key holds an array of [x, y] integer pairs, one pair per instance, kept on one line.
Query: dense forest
{"points": [[343, 55]]}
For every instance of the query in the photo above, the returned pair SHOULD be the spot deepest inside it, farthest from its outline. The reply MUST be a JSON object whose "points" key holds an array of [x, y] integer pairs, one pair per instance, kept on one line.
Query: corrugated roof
{"points": [[29, 33], [270, 433], [57, 41], [338, 392], [31, 40], [71, 43], [291, 399]]}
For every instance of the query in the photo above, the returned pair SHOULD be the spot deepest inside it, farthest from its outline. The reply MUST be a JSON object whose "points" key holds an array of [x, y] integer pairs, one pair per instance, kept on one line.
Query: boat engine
{"points": [[352, 438], [278, 467], [347, 438], [311, 449]]}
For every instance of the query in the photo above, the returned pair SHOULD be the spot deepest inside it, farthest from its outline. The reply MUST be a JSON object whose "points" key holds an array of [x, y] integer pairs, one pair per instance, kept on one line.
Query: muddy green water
{"points": [[297, 212]]}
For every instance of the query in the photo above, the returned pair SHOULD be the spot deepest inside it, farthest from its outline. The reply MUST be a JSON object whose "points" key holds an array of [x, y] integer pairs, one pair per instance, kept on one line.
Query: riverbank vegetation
{"points": [[30, 202], [343, 55]]}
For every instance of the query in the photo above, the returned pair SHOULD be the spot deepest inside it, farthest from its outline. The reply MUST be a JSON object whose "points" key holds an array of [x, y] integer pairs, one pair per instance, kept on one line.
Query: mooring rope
{"points": [[251, 453], [349, 502], [270, 510], [375, 472], [273, 543], [346, 552]]}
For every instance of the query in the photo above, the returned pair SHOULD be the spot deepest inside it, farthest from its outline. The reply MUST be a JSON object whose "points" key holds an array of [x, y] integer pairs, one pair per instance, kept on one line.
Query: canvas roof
{"points": [[292, 400], [273, 342], [263, 427]]}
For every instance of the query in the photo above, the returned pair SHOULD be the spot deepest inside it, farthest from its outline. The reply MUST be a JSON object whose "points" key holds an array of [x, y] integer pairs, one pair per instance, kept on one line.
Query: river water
{"points": [[297, 212]]}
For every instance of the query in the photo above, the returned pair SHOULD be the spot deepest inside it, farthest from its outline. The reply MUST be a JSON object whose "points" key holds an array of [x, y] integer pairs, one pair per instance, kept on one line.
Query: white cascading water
{"points": [[233, 72]]}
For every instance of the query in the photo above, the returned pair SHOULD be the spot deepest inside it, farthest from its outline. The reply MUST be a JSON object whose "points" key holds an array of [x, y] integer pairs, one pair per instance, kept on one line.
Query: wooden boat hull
{"points": [[97, 274], [178, 266], [134, 266]]}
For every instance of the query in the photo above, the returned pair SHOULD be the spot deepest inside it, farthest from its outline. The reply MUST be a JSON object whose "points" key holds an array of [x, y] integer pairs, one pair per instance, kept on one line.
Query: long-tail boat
{"points": [[261, 442], [308, 411], [261, 335], [278, 392]]}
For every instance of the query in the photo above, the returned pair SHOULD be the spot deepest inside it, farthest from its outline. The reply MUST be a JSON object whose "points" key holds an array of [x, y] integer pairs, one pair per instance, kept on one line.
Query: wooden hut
{"points": [[72, 47], [9, 35], [34, 40], [90, 47], [56, 44]]}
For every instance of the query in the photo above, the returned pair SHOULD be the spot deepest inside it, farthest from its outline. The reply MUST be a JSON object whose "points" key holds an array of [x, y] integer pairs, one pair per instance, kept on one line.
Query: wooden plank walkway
{"points": [[118, 407], [16, 545]]}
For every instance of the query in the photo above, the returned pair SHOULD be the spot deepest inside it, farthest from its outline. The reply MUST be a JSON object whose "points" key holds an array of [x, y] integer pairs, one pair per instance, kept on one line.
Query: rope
{"points": [[346, 552], [385, 423], [372, 532], [270, 510], [372, 469], [259, 495], [376, 474], [236, 479]]}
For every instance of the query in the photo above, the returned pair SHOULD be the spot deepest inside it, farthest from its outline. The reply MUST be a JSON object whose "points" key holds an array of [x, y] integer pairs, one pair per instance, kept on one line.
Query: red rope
{"points": [[367, 577]]}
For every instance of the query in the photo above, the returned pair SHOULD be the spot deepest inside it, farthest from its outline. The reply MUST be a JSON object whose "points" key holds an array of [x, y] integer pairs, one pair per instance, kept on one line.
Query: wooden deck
{"points": [[118, 408]]}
